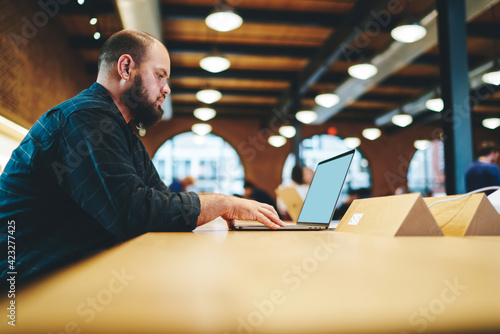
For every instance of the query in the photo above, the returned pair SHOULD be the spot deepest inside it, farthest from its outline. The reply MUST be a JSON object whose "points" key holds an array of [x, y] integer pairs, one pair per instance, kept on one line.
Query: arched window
{"points": [[426, 170], [321, 147], [209, 159]]}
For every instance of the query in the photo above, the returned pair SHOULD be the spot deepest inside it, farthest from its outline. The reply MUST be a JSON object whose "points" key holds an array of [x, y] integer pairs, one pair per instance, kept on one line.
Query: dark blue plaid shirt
{"points": [[82, 181]]}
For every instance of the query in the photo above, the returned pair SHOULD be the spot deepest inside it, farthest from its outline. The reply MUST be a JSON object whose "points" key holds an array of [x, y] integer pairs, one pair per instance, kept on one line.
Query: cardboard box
{"points": [[399, 215], [470, 215]]}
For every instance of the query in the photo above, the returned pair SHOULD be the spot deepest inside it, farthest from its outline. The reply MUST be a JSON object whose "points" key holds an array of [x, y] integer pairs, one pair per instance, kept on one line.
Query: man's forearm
{"points": [[212, 206]]}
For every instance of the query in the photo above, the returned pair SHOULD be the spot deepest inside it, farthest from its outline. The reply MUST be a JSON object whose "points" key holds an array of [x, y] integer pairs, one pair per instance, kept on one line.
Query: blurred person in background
{"points": [[181, 185], [484, 171]]}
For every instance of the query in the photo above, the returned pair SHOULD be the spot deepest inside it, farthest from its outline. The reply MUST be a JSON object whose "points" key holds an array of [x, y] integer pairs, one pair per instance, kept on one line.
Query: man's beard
{"points": [[144, 112]]}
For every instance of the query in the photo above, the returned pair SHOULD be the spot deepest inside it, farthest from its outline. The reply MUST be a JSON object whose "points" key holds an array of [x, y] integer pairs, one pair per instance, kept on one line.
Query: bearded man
{"points": [[82, 181]]}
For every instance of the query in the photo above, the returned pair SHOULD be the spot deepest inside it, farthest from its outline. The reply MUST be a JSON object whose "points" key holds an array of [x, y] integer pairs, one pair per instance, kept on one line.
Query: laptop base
{"points": [[284, 228]]}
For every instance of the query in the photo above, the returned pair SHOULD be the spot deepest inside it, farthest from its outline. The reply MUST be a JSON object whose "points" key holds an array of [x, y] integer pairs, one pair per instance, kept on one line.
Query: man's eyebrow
{"points": [[164, 72]]}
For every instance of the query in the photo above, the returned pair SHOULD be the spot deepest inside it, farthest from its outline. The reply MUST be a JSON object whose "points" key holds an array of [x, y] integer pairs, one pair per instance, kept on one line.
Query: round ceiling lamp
{"points": [[362, 71], [287, 131], [215, 64], [223, 20], [199, 140], [204, 114], [435, 104], [327, 100], [277, 141], [371, 133], [402, 120], [492, 78], [352, 142], [491, 123], [208, 96], [201, 129], [306, 116], [421, 144], [409, 33]]}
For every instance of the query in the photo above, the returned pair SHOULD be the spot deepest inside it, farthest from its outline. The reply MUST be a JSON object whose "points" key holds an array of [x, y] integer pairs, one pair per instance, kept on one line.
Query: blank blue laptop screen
{"points": [[325, 189]]}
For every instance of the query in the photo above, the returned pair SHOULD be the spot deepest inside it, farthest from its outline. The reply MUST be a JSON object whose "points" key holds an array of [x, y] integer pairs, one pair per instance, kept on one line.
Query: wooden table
{"points": [[215, 281]]}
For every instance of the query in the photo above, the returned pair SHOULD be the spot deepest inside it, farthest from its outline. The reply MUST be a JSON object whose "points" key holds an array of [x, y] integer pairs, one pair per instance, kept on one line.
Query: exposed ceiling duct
{"points": [[418, 106], [394, 58]]}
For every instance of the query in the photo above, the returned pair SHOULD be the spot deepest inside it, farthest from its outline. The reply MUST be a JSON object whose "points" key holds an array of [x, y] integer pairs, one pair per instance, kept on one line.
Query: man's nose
{"points": [[165, 89]]}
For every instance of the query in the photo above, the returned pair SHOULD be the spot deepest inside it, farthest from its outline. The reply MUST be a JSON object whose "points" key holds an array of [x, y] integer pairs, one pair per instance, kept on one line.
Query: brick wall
{"points": [[37, 68]]}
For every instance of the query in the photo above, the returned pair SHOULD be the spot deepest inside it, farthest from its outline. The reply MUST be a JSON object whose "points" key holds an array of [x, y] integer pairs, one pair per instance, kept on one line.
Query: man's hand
{"points": [[231, 208], [245, 209]]}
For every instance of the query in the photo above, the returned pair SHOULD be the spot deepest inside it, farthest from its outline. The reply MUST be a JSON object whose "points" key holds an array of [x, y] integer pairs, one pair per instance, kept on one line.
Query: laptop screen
{"points": [[325, 189]]}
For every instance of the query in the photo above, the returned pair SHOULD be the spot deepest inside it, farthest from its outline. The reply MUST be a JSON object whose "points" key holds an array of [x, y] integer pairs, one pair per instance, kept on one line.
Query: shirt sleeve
{"points": [[112, 179]]}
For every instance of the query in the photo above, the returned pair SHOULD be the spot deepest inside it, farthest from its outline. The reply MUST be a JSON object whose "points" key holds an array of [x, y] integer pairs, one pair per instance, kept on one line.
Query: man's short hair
{"points": [[248, 184], [297, 174], [132, 42], [486, 148]]}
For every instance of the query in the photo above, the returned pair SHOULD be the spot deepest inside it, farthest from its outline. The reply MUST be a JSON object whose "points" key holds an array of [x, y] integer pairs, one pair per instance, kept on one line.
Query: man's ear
{"points": [[124, 66]]}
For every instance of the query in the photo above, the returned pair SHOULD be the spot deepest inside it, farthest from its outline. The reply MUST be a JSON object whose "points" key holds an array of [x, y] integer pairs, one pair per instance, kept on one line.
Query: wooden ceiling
{"points": [[277, 46]]}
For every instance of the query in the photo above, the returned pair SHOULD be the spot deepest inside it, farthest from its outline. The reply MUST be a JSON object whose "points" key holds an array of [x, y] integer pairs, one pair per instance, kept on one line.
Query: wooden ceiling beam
{"points": [[309, 19]]}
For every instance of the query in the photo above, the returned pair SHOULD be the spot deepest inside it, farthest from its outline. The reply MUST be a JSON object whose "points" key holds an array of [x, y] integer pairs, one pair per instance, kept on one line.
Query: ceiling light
{"points": [[224, 19], [93, 21], [201, 129], [204, 114], [81, 2], [327, 100], [352, 142], [306, 116], [215, 64], [208, 96], [277, 141], [371, 133], [492, 78], [362, 71], [402, 120], [421, 144], [97, 35], [491, 123], [199, 140], [409, 33], [435, 104], [287, 131]]}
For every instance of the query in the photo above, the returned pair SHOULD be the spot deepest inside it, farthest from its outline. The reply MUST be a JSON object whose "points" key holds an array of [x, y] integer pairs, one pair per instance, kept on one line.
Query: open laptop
{"points": [[321, 199]]}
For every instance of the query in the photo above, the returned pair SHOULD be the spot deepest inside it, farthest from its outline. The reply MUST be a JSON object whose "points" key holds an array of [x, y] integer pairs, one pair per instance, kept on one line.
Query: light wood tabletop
{"points": [[219, 281]]}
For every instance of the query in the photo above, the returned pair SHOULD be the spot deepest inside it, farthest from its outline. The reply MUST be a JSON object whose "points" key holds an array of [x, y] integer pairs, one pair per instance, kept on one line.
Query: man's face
{"points": [[144, 111], [494, 157], [149, 87]]}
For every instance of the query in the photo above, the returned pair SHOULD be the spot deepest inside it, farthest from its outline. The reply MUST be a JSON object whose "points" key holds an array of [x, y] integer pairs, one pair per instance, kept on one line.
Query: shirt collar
{"points": [[98, 89]]}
